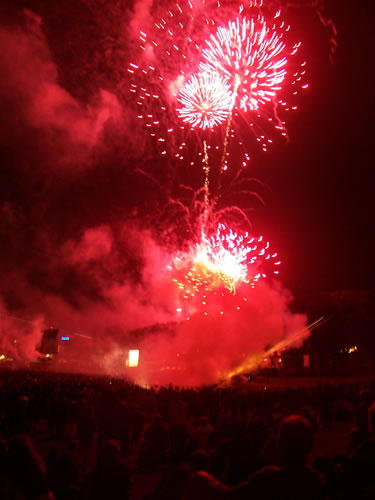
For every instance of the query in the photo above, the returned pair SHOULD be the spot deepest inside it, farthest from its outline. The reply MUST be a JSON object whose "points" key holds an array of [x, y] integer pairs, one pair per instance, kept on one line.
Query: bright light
{"points": [[232, 257], [65, 338], [133, 358], [352, 349], [246, 48], [206, 100], [250, 55], [223, 263]]}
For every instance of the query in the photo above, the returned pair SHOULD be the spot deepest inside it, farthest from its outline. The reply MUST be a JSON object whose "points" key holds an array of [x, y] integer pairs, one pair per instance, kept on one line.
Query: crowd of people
{"points": [[83, 437]]}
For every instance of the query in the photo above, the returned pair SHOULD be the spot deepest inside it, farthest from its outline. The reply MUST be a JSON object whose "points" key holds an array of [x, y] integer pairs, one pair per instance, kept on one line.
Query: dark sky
{"points": [[58, 178], [322, 202]]}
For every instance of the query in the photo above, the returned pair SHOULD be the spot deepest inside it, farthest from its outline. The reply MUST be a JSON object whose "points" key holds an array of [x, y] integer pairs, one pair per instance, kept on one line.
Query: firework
{"points": [[206, 101], [234, 257], [247, 44], [251, 56], [218, 267]]}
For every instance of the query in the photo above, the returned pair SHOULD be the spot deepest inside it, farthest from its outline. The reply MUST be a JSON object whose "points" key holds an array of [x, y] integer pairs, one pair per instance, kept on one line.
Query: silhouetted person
{"points": [[50, 461], [293, 480], [110, 477], [138, 423], [113, 419], [26, 471], [362, 420], [4, 487], [85, 425], [203, 434], [63, 478], [18, 417], [199, 461], [360, 471], [330, 475], [154, 447]]}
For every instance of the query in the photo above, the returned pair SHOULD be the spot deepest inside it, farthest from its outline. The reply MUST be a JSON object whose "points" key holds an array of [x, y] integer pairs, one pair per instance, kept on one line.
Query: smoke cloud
{"points": [[229, 340], [37, 106], [124, 288], [141, 17], [18, 337]]}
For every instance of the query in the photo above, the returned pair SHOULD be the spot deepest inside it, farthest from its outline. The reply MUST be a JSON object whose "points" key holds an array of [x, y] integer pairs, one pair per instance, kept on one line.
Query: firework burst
{"points": [[251, 56], [246, 44], [234, 257], [206, 100], [218, 267]]}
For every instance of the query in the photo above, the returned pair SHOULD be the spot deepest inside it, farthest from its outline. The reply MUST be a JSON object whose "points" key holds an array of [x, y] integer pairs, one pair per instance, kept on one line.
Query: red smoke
{"points": [[201, 350], [68, 129]]}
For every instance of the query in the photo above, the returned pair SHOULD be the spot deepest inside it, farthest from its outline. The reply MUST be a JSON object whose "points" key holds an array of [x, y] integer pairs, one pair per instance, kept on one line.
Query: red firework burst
{"points": [[206, 100], [219, 271], [225, 260], [234, 257], [246, 43], [252, 57]]}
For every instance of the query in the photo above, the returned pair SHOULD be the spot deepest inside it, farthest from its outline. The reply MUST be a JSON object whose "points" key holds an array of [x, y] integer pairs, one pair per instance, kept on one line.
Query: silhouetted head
{"points": [[26, 469], [158, 421], [111, 452], [295, 438], [365, 397], [23, 401], [3, 454], [72, 445], [204, 420], [199, 460], [371, 419]]}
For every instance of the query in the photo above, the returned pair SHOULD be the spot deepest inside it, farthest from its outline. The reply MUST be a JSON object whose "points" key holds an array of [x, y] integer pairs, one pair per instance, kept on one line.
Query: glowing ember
{"points": [[206, 100]]}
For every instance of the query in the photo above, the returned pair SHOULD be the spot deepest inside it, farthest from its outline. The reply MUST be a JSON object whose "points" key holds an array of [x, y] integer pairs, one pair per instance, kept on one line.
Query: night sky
{"points": [[323, 191], [64, 169]]}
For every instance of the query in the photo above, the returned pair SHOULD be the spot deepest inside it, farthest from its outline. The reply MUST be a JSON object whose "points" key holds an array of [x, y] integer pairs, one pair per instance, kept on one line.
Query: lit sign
{"points": [[133, 357], [65, 338]]}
